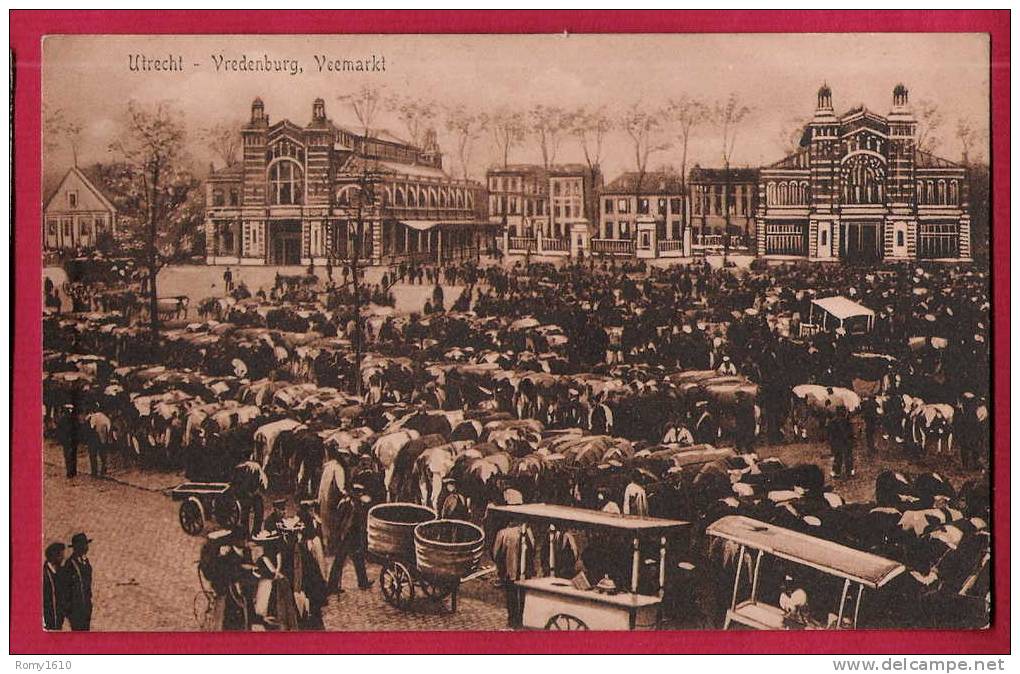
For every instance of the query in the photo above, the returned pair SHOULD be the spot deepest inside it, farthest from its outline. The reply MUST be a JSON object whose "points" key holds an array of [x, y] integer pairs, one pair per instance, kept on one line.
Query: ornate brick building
{"points": [[860, 190], [296, 196]]}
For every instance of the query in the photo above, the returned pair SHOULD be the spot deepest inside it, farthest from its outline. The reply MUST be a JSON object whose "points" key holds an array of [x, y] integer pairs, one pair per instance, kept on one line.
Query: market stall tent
{"points": [[830, 313]]}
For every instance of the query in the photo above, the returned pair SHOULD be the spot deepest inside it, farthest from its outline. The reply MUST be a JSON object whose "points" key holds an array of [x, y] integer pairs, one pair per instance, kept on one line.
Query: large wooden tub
{"points": [[448, 550], [391, 528]]}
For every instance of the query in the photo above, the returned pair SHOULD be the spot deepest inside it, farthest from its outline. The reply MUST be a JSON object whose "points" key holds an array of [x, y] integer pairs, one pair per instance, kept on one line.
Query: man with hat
{"points": [[454, 505], [76, 584], [67, 435], [272, 522], [354, 542], [53, 607]]}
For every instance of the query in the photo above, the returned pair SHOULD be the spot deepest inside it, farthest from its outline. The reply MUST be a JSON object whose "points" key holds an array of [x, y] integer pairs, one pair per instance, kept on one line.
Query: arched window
{"points": [[954, 192], [863, 180], [217, 197], [770, 194], [285, 183], [942, 192], [930, 192], [784, 194], [920, 192], [805, 192], [399, 200]]}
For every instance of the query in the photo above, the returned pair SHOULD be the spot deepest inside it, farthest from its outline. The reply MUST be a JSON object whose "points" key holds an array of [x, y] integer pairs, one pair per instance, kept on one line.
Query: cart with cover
{"points": [[856, 568], [553, 603]]}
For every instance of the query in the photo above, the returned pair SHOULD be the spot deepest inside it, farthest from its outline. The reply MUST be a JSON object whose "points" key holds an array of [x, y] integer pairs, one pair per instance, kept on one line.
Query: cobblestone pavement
{"points": [[145, 569]]}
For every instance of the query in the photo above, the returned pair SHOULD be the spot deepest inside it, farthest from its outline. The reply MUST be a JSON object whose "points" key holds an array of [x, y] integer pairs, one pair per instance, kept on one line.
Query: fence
{"points": [[612, 246]]}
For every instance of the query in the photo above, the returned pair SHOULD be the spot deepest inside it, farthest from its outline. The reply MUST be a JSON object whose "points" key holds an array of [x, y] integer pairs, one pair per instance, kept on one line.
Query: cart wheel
{"points": [[202, 606], [562, 621], [227, 511], [397, 585], [192, 516]]}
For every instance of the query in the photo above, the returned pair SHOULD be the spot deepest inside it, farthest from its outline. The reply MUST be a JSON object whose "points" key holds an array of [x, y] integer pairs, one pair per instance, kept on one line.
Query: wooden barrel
{"points": [[448, 550], [391, 528]]}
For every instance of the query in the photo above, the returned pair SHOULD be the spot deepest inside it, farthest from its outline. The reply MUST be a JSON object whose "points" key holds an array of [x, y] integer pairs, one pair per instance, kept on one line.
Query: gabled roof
{"points": [[924, 159], [88, 178], [653, 182]]}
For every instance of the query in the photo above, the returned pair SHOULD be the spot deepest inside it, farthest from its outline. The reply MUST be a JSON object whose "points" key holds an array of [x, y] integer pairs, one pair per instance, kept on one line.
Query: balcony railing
{"points": [[612, 246], [560, 245], [670, 245], [523, 243]]}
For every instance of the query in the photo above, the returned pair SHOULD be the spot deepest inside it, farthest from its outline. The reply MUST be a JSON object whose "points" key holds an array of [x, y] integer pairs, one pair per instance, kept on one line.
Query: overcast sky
{"points": [[778, 75]]}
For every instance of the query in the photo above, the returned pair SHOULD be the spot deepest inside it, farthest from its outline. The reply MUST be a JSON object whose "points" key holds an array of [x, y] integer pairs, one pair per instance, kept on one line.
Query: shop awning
{"points": [[420, 225]]}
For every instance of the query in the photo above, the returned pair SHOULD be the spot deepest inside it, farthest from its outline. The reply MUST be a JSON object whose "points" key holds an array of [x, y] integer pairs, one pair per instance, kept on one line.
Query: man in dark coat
{"points": [[53, 608], [354, 541], [841, 440], [76, 584], [68, 435]]}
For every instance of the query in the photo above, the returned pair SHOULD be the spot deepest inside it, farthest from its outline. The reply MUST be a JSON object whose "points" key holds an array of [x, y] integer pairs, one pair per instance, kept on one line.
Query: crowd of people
{"points": [[597, 385]]}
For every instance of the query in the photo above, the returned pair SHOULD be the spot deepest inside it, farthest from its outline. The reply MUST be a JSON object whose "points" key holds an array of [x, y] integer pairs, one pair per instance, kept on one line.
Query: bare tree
{"points": [[548, 124], [365, 104], [349, 252], [929, 124], [224, 139], [61, 128], [417, 115], [646, 130], [969, 138], [686, 113], [507, 129], [791, 133], [727, 117], [466, 127], [153, 143], [590, 128]]}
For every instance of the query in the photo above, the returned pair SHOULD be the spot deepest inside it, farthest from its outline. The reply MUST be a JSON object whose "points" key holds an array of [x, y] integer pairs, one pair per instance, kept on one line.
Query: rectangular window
{"points": [[642, 206], [67, 223], [662, 207], [609, 229], [900, 239], [674, 205], [717, 205], [609, 205], [51, 227], [825, 238], [623, 206], [72, 199]]}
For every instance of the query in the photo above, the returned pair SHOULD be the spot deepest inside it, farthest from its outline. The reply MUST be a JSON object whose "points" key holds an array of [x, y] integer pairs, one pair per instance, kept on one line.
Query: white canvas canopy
{"points": [[837, 310]]}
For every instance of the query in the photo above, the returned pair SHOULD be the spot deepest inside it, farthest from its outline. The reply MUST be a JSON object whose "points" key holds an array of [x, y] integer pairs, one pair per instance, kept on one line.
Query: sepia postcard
{"points": [[509, 332]]}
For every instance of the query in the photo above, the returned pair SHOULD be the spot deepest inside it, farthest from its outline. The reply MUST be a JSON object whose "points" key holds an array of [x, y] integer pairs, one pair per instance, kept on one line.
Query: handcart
{"points": [[202, 501], [553, 603], [421, 553]]}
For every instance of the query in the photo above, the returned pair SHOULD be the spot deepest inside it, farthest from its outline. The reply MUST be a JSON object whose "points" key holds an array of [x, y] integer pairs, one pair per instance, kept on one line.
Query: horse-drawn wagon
{"points": [[201, 501]]}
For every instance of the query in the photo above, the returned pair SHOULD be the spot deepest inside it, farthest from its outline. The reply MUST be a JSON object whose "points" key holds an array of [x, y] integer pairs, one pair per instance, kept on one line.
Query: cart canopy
{"points": [[565, 516], [832, 558], [842, 308]]}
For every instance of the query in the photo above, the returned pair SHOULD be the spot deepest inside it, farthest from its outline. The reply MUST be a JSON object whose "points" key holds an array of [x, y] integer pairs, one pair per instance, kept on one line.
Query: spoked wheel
{"points": [[192, 516], [397, 585], [562, 621], [202, 606], [227, 511]]}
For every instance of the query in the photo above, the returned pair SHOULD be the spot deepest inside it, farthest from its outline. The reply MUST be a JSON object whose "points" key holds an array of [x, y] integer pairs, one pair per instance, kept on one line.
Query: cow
{"points": [[932, 419], [170, 308]]}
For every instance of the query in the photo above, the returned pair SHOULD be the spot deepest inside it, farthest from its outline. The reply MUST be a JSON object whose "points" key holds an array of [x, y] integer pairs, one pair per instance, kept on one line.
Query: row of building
{"points": [[857, 189]]}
